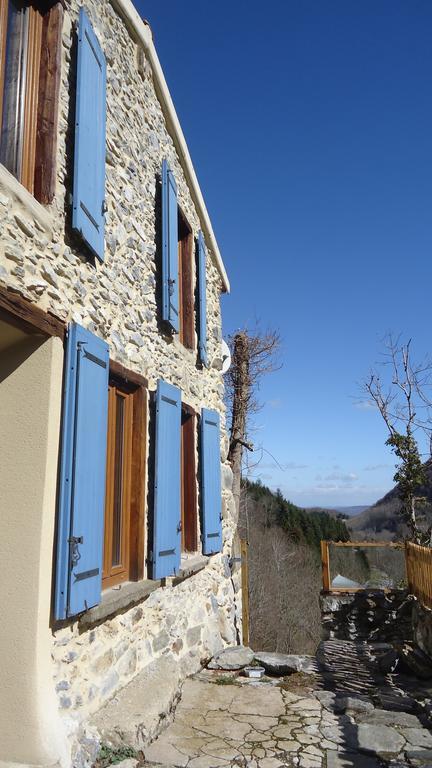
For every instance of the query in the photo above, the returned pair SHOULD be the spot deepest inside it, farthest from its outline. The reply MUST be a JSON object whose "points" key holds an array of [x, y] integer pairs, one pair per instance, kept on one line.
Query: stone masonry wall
{"points": [[367, 615], [187, 623], [119, 300]]}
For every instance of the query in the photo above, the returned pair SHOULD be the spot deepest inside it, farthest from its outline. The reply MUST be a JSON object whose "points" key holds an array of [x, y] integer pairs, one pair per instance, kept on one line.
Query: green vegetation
{"points": [[302, 527], [113, 755], [225, 680]]}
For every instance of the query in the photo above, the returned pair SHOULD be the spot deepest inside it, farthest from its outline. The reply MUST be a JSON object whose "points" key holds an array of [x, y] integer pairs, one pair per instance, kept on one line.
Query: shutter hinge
{"points": [[179, 527], [104, 207], [75, 554], [150, 557]]}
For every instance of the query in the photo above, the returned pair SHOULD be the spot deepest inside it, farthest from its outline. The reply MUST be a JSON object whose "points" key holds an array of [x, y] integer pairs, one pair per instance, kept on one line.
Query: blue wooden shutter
{"points": [[88, 217], [211, 493], [202, 299], [82, 473], [170, 278], [167, 512]]}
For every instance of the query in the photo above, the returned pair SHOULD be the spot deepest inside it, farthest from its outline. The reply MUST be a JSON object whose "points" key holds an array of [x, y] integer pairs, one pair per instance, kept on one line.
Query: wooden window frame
{"points": [[133, 389], [186, 284], [188, 488], [41, 96]]}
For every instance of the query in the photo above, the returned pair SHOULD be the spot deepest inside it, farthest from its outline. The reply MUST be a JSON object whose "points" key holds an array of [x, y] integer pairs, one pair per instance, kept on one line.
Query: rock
{"points": [[235, 657], [280, 664], [419, 756], [346, 760], [415, 661], [385, 717], [418, 737], [352, 704], [379, 738], [388, 662], [130, 762], [327, 699]]}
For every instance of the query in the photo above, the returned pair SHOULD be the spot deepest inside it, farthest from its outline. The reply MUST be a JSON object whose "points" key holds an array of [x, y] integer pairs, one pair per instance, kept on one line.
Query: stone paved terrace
{"points": [[346, 715]]}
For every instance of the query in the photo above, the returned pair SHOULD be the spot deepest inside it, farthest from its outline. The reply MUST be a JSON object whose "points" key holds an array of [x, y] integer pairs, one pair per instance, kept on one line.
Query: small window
{"points": [[123, 538], [28, 90], [188, 482], [186, 287]]}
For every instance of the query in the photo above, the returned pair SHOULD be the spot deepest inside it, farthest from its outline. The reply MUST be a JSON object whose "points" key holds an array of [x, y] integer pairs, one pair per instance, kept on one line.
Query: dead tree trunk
{"points": [[240, 400]]}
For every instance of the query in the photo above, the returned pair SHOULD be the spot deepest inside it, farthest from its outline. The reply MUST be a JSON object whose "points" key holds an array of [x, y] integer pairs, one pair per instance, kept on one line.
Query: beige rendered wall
{"points": [[30, 403]]}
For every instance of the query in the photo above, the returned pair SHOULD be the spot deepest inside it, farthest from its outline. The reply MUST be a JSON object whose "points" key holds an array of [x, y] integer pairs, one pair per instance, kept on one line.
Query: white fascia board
{"points": [[141, 33]]}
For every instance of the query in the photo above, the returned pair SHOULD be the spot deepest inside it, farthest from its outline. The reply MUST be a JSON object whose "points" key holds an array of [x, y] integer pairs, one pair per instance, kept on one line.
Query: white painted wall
{"points": [[31, 731]]}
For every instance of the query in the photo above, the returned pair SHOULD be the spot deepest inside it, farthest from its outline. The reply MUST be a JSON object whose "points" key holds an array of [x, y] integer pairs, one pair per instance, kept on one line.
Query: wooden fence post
{"points": [[245, 590], [325, 561]]}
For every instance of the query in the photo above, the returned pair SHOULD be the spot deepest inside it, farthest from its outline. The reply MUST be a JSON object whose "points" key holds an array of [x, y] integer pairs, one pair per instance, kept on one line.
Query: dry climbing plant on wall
{"points": [[254, 354]]}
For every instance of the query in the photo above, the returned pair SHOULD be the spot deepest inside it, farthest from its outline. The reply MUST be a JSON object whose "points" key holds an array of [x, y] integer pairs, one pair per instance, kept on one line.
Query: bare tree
{"points": [[402, 395], [253, 356]]}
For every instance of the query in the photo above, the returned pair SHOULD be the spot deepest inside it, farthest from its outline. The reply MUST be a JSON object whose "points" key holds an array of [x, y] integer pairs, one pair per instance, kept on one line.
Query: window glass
{"points": [[12, 124], [118, 482]]}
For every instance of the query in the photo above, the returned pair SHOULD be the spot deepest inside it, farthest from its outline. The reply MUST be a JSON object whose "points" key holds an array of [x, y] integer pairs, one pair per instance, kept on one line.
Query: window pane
{"points": [[118, 482], [14, 87]]}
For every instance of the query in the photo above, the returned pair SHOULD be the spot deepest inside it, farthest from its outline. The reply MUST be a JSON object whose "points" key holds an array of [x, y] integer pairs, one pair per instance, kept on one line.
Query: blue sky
{"points": [[309, 123]]}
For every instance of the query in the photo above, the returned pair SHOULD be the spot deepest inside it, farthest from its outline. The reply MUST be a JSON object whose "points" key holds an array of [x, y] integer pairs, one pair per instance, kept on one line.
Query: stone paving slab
{"points": [[229, 722]]}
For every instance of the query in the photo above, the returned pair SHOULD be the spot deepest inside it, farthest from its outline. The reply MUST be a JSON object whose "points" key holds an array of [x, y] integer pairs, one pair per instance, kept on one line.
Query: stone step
{"points": [[139, 712]]}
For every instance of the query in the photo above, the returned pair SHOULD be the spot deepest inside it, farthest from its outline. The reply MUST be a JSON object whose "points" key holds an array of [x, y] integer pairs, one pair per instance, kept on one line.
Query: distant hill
{"points": [[340, 512], [382, 520]]}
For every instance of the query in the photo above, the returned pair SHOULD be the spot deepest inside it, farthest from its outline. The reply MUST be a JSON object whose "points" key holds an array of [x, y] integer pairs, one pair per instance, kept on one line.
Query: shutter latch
{"points": [[104, 207], [171, 284], [75, 554]]}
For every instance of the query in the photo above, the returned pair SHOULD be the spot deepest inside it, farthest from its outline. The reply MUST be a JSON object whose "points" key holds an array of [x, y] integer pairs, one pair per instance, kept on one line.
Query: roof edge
{"points": [[141, 33]]}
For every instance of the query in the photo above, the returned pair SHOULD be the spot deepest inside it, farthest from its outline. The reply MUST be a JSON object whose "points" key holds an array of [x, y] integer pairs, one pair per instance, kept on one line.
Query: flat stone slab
{"points": [[420, 756], [418, 737], [352, 704], [379, 739], [349, 760], [233, 658], [388, 717], [281, 664]]}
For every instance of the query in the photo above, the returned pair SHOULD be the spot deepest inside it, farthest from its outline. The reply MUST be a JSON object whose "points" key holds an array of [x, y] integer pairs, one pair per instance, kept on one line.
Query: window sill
{"points": [[189, 566], [119, 599], [24, 201]]}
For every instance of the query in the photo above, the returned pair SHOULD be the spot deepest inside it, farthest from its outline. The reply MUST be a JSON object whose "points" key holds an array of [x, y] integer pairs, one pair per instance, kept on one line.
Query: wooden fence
{"points": [[325, 560], [419, 572], [418, 563]]}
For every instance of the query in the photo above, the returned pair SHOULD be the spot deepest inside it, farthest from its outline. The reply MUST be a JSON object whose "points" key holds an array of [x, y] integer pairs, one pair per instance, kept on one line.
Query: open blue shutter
{"points": [[202, 310], [88, 217], [82, 473], [167, 512], [170, 285], [211, 493]]}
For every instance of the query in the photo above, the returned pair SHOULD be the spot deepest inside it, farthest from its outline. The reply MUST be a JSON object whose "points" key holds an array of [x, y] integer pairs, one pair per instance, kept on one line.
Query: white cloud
{"points": [[276, 403], [374, 467], [347, 477], [364, 405]]}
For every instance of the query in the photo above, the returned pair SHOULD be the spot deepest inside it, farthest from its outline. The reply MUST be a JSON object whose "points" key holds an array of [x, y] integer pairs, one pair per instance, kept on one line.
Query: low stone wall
{"points": [[368, 615], [422, 627]]}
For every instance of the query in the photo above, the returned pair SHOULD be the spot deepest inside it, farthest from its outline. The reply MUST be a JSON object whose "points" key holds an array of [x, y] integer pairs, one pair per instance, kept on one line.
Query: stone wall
{"points": [[187, 623], [119, 301], [422, 627], [367, 615]]}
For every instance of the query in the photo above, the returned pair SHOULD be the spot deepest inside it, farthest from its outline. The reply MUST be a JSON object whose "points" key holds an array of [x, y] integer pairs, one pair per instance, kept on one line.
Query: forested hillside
{"points": [[382, 520], [284, 568]]}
